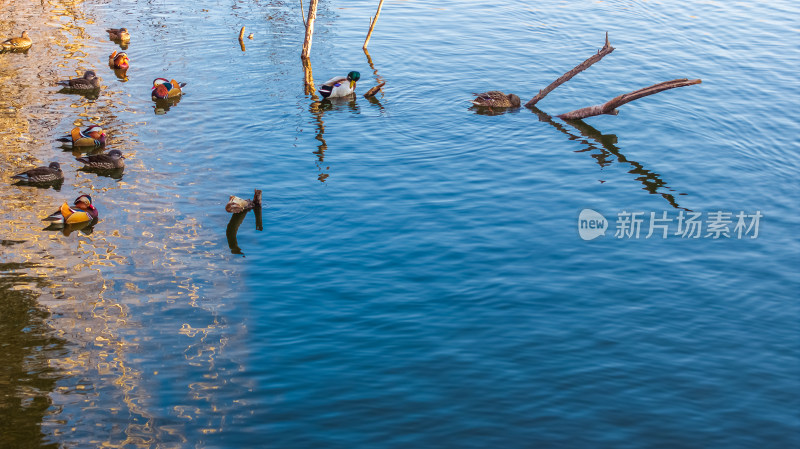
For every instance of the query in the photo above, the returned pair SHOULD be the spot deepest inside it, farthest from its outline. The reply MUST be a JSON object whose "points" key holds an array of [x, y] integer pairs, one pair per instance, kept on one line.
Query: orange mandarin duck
{"points": [[119, 60], [91, 137], [163, 89], [82, 212]]}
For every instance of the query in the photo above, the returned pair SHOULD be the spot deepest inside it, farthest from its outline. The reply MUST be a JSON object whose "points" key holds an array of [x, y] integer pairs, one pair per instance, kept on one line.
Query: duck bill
{"points": [[352, 84]]}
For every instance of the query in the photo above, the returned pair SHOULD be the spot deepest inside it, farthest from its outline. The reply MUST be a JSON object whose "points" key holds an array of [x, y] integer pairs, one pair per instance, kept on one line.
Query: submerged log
{"points": [[239, 208], [610, 107], [374, 90], [607, 49], [236, 204]]}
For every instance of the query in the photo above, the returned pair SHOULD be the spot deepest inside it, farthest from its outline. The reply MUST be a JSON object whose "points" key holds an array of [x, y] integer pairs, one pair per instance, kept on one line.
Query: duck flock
{"points": [[82, 213]]}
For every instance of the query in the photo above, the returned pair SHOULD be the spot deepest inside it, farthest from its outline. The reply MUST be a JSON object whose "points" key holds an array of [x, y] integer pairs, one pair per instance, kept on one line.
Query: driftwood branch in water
{"points": [[312, 15], [610, 107], [241, 39], [607, 48], [372, 22], [239, 208], [374, 90], [236, 204]]}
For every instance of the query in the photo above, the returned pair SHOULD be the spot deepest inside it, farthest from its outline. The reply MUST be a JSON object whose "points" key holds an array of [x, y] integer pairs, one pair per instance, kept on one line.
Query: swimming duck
{"points": [[162, 88], [104, 161], [82, 212], [496, 99], [92, 136], [17, 43], [119, 34], [89, 81], [341, 86], [41, 175], [118, 60]]}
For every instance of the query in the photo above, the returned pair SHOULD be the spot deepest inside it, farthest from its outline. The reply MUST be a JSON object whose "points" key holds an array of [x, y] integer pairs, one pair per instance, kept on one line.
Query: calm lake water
{"points": [[419, 280]]}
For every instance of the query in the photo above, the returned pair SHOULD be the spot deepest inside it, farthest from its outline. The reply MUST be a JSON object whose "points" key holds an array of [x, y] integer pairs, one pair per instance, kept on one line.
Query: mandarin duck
{"points": [[41, 175], [496, 99], [82, 212], [104, 161], [118, 34], [17, 43], [119, 60], [89, 81], [162, 88], [92, 136], [340, 86]]}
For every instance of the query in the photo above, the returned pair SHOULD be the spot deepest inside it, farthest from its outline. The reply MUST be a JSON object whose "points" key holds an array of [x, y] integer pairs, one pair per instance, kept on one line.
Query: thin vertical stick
{"points": [[312, 15], [372, 24], [302, 11]]}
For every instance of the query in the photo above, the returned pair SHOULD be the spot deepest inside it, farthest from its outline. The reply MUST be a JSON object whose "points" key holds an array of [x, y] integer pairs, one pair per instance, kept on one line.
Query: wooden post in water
{"points": [[312, 15], [372, 24]]}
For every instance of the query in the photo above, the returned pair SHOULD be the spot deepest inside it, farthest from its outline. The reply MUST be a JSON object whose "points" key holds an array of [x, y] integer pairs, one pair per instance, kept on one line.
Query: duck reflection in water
{"points": [[163, 105], [652, 182]]}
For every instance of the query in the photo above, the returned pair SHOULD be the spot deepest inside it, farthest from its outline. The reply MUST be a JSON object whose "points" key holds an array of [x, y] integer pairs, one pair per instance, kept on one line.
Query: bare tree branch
{"points": [[607, 49], [610, 107], [312, 15], [372, 22]]}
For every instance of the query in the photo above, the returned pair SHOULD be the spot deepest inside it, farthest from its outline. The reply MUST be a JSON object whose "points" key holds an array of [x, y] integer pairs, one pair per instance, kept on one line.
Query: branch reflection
{"points": [[608, 149]]}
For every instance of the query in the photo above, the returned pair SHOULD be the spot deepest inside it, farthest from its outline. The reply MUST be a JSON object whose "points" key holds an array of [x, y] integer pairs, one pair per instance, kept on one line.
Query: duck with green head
{"points": [[340, 86]]}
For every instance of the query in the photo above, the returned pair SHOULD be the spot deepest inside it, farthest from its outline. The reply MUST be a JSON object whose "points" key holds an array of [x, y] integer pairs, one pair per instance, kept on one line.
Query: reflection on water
{"points": [[27, 344], [607, 149]]}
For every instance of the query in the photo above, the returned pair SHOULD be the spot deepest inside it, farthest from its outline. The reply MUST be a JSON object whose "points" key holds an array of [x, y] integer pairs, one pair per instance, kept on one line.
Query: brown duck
{"points": [[119, 34], [41, 175], [88, 81], [17, 43], [496, 99], [105, 161]]}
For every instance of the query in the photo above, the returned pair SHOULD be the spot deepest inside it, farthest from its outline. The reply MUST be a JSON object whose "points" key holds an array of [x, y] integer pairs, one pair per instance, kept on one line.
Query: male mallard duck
{"points": [[92, 136], [41, 175], [496, 99], [118, 34], [104, 161], [88, 81], [17, 43], [341, 86], [118, 60], [166, 89], [82, 212]]}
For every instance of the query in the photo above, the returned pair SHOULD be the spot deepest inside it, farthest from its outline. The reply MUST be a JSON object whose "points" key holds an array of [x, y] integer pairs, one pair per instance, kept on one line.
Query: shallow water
{"points": [[419, 280]]}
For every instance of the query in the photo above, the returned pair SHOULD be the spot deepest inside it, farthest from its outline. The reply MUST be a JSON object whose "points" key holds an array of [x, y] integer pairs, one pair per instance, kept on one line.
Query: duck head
{"points": [[90, 75], [116, 154], [83, 202], [514, 100], [55, 166], [353, 77]]}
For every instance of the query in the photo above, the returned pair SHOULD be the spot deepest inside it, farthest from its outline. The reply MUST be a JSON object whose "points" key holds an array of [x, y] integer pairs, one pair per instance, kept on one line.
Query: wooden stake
{"points": [[610, 107], [607, 49], [312, 15], [241, 38], [372, 24]]}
